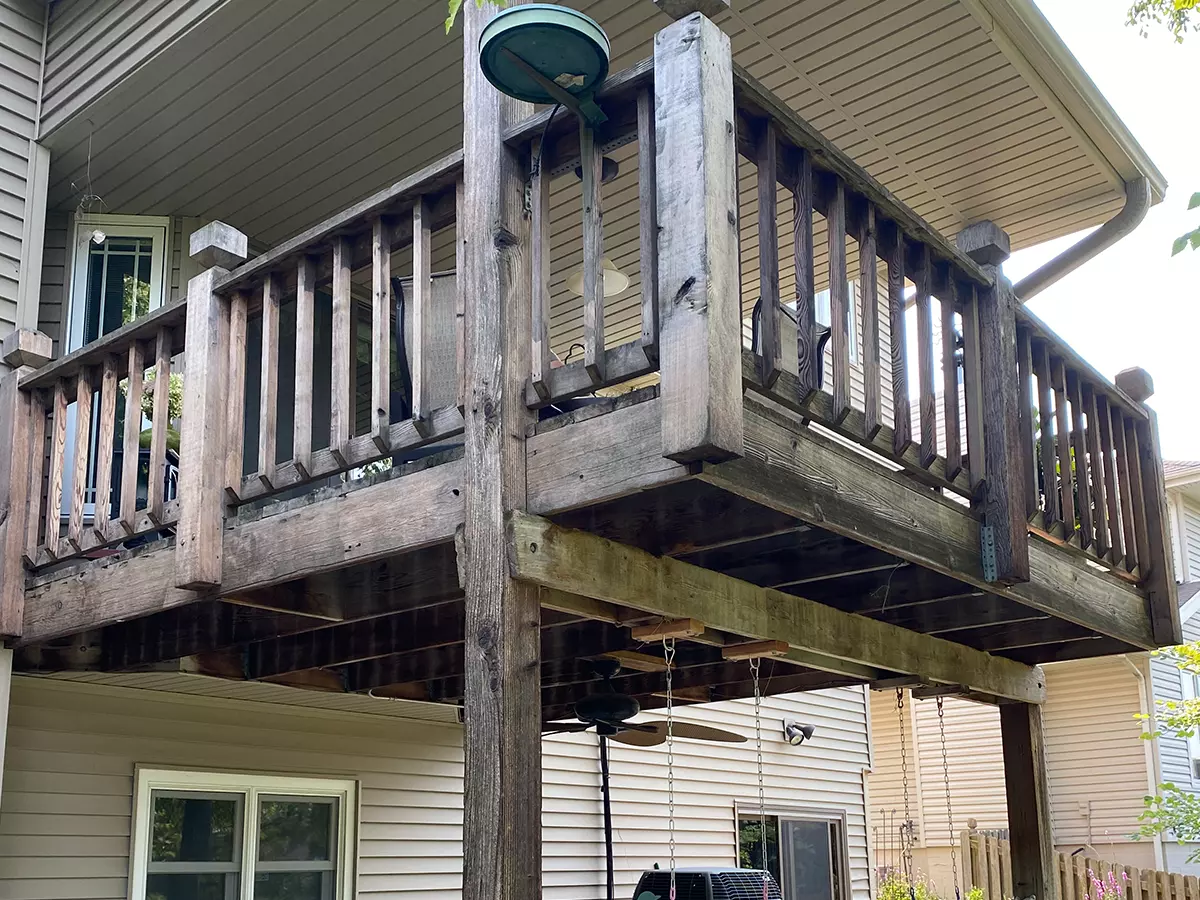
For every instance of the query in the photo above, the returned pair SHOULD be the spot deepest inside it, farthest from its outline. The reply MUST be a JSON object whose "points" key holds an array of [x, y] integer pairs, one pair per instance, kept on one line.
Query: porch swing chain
{"points": [[762, 802], [906, 828], [669, 657], [949, 807]]}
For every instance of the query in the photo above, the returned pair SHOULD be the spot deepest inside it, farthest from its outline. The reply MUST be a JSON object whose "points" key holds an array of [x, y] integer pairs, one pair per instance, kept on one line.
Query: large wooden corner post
{"points": [[700, 313], [1005, 534], [1034, 865], [502, 700]]}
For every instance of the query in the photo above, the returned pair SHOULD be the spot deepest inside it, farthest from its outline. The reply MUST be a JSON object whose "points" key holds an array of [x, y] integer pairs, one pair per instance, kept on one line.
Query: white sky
{"points": [[1135, 305]]}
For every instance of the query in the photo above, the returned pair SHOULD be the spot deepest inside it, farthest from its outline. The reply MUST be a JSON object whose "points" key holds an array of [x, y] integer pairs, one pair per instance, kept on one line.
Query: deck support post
{"points": [[17, 468], [1005, 532], [502, 857], [700, 312], [1034, 869]]}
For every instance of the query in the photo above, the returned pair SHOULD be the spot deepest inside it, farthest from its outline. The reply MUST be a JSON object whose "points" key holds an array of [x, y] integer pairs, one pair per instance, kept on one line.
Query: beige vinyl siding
{"points": [[21, 26], [885, 784], [72, 747], [1174, 756], [93, 44], [1190, 535]]}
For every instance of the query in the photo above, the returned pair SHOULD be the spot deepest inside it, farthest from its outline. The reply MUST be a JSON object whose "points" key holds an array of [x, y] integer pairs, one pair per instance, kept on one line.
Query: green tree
{"points": [[1176, 16], [456, 5]]}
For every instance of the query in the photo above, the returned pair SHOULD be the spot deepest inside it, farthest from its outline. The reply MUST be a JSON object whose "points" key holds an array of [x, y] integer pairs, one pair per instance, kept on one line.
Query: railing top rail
{"points": [[144, 328], [1072, 359], [436, 175], [754, 98]]}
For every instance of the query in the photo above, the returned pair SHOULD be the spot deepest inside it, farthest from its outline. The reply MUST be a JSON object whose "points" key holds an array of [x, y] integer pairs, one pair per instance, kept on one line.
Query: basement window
{"points": [[806, 852], [225, 836]]}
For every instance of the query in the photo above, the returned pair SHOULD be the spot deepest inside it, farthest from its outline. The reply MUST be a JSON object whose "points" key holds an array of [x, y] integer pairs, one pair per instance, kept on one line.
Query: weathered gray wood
{"points": [[1079, 454], [306, 310], [677, 9], [1137, 494], [1047, 456], [1003, 507], [803, 257], [381, 332], [1111, 491], [1096, 498], [1062, 445], [133, 432], [341, 415], [580, 563], [901, 405], [218, 245], [202, 470], [648, 222], [235, 411], [868, 284], [58, 449], [268, 403], [950, 379], [502, 702], [770, 357], [1025, 407], [1031, 837], [160, 421], [17, 477], [1136, 383], [591, 164], [973, 388], [1157, 576], [79, 468], [700, 313], [927, 399], [422, 289], [539, 231], [105, 435], [839, 298], [621, 363], [1125, 489], [26, 348], [460, 315]]}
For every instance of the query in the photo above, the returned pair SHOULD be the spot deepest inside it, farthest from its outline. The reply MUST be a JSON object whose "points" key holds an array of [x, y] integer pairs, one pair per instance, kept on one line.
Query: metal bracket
{"points": [[987, 552]]}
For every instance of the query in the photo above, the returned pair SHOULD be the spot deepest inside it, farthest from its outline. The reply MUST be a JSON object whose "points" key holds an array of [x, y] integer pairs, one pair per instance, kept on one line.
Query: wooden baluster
{"points": [[950, 391], [1066, 478], [105, 434], [901, 406], [235, 411], [37, 444], [928, 400], [58, 449], [131, 448], [839, 298], [160, 423], [306, 311], [1025, 405], [973, 387], [1079, 449], [1041, 364], [1125, 489], [341, 416], [1099, 510], [422, 300], [381, 334], [592, 161], [648, 224], [460, 299], [539, 236], [802, 256], [1137, 494], [79, 468], [268, 400], [766, 157], [1112, 495], [868, 282]]}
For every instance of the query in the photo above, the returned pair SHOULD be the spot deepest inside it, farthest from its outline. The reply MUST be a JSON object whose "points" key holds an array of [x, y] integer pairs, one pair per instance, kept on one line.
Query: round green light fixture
{"points": [[544, 53]]}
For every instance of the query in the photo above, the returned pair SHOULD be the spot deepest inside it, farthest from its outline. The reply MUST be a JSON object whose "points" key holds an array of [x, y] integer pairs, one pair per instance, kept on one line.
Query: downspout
{"points": [[1137, 204], [1153, 775]]}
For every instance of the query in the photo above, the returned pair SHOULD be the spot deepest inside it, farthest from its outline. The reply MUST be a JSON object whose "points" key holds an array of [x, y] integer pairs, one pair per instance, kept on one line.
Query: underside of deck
{"points": [[355, 588]]}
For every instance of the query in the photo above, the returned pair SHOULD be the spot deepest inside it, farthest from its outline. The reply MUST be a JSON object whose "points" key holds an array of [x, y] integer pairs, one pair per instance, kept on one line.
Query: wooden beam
{"points": [[549, 555], [682, 629], [755, 650], [815, 479], [1031, 834], [700, 314], [16, 480]]}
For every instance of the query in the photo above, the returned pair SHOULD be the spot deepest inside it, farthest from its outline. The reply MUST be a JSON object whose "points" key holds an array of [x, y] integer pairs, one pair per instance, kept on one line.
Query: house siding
{"points": [[65, 823], [21, 27], [1174, 758], [1190, 536]]}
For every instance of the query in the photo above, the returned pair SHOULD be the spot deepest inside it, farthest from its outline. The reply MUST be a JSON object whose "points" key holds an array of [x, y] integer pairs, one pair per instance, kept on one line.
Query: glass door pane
{"points": [[807, 860]]}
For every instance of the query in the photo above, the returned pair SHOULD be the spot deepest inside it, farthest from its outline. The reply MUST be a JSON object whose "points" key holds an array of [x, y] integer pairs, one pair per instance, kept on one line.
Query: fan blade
{"points": [[698, 732], [565, 727], [640, 738]]}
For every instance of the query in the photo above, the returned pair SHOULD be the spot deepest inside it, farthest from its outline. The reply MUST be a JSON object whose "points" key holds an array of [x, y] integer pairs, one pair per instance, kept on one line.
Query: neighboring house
{"points": [[303, 728], [1099, 765]]}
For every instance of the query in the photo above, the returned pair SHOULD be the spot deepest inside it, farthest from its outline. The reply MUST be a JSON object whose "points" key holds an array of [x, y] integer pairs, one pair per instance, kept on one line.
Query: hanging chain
{"points": [[762, 801], [669, 657], [906, 828], [941, 708]]}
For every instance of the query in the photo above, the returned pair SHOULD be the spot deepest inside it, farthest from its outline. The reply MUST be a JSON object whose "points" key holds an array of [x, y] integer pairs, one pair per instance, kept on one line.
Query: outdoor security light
{"points": [[797, 733]]}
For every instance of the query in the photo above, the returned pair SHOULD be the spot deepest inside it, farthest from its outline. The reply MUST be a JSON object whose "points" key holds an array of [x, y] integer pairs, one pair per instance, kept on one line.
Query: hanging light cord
{"points": [[537, 163], [669, 657], [906, 829], [941, 708], [762, 802]]}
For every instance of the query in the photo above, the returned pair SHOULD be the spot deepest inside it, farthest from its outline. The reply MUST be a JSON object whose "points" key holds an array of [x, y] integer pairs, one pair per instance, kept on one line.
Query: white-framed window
{"points": [[824, 315], [806, 850], [229, 836], [1190, 684]]}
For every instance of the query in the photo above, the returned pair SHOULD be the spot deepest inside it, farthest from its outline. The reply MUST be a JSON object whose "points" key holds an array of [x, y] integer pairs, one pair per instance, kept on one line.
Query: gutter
{"points": [[1153, 760], [1137, 204]]}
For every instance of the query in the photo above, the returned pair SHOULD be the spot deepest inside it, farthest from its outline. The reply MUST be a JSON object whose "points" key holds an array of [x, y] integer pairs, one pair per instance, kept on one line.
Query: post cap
{"points": [[27, 348], [218, 244], [678, 9], [1136, 382], [985, 242]]}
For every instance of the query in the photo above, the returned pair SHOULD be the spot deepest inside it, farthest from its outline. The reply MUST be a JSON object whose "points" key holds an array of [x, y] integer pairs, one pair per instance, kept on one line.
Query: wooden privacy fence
{"points": [[987, 865]]}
